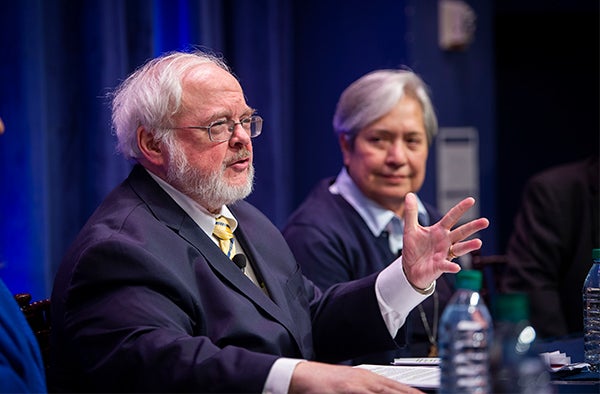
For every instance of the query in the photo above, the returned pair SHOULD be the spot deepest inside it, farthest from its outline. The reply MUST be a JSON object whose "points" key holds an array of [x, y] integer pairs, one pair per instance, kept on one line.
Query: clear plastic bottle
{"points": [[465, 338], [591, 314], [516, 366]]}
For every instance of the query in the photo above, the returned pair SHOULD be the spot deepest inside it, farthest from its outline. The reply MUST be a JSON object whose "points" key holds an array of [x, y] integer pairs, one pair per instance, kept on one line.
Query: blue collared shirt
{"points": [[377, 218]]}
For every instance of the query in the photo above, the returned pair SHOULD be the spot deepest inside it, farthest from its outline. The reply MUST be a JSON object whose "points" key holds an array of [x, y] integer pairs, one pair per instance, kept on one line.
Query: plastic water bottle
{"points": [[591, 314], [465, 338], [516, 365]]}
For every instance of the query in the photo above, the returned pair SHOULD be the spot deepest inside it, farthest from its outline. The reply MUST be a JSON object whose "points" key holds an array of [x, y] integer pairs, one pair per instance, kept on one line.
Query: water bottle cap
{"points": [[469, 279], [513, 307], [595, 254]]}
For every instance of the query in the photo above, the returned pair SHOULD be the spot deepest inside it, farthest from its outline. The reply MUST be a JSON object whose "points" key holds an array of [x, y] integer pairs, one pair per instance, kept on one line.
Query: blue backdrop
{"points": [[293, 58], [61, 58]]}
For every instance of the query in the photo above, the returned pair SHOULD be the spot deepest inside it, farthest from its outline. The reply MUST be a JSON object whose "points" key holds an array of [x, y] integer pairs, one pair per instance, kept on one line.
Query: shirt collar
{"points": [[200, 215], [375, 216]]}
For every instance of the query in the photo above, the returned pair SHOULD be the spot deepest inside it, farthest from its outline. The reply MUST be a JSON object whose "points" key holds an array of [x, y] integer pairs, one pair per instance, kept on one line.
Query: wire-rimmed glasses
{"points": [[222, 130]]}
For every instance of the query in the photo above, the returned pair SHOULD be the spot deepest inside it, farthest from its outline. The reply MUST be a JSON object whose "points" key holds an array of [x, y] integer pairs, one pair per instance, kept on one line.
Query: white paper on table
{"points": [[559, 361], [423, 361], [424, 377]]}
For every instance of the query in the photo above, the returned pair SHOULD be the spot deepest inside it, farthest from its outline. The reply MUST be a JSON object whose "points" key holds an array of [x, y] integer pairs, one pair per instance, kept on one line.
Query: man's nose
{"points": [[239, 135]]}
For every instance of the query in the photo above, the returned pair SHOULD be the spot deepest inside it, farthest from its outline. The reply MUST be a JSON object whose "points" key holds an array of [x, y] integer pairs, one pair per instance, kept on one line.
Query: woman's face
{"points": [[389, 156]]}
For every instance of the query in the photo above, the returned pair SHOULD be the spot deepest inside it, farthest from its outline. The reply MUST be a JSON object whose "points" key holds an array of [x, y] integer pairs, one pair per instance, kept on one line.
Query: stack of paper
{"points": [[422, 361], [423, 377], [558, 361]]}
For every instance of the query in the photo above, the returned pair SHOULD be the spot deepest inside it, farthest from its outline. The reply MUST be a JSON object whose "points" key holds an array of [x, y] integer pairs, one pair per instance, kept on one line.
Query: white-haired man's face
{"points": [[212, 173]]}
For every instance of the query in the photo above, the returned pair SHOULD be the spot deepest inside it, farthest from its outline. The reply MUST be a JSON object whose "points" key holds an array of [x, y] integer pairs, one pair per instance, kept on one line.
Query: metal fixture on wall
{"points": [[457, 152], [456, 25]]}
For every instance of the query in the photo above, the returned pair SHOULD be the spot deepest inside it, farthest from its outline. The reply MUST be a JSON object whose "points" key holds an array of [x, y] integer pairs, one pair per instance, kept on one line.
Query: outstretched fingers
{"points": [[461, 248], [428, 251], [460, 244], [411, 213], [466, 230], [456, 212]]}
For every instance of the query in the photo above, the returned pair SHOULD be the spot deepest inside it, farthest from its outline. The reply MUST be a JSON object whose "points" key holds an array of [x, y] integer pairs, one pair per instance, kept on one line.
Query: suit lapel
{"points": [[277, 295], [231, 273], [167, 211]]}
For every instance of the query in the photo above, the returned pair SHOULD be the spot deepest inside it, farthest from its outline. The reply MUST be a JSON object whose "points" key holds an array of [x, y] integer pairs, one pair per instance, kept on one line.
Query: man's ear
{"points": [[149, 146]]}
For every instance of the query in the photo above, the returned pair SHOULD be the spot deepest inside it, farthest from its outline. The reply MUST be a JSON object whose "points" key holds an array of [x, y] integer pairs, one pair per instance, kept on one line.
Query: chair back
{"points": [[37, 314]]}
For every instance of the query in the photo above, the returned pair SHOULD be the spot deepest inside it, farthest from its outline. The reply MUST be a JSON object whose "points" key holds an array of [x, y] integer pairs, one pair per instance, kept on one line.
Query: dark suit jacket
{"points": [[333, 244], [145, 301], [550, 250]]}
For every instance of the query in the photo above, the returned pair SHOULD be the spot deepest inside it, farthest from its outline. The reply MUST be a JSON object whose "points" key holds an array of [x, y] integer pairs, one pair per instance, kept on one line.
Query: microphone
{"points": [[240, 261]]}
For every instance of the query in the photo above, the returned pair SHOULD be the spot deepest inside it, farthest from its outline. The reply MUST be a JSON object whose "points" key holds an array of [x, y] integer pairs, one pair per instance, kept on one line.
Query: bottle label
{"points": [[469, 325], [468, 357], [591, 327]]}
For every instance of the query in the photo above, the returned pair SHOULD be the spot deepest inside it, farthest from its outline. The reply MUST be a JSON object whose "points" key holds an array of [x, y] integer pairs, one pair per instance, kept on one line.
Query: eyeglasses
{"points": [[222, 130]]}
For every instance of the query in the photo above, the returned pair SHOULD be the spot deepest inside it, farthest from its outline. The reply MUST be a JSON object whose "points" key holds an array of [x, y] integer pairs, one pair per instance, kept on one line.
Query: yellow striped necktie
{"points": [[224, 233]]}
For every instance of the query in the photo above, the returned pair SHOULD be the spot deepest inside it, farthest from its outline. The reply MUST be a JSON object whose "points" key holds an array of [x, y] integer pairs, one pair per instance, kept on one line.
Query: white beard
{"points": [[210, 190]]}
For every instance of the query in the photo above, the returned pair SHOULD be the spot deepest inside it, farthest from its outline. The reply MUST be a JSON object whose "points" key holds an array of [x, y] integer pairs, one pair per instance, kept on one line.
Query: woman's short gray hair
{"points": [[375, 94], [151, 96]]}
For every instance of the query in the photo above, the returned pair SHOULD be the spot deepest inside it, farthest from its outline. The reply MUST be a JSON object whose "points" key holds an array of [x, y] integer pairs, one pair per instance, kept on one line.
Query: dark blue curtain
{"points": [[60, 58], [59, 61]]}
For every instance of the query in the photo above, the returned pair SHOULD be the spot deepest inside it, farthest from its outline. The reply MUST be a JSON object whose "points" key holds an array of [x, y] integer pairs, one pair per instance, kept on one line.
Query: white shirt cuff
{"points": [[396, 296], [280, 376]]}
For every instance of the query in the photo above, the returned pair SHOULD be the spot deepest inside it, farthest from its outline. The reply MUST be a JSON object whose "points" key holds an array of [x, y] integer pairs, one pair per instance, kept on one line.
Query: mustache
{"points": [[243, 154]]}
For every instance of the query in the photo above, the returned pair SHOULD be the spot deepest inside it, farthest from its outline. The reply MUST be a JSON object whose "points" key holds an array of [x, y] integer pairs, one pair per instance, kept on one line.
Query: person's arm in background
{"points": [[21, 366], [534, 255]]}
